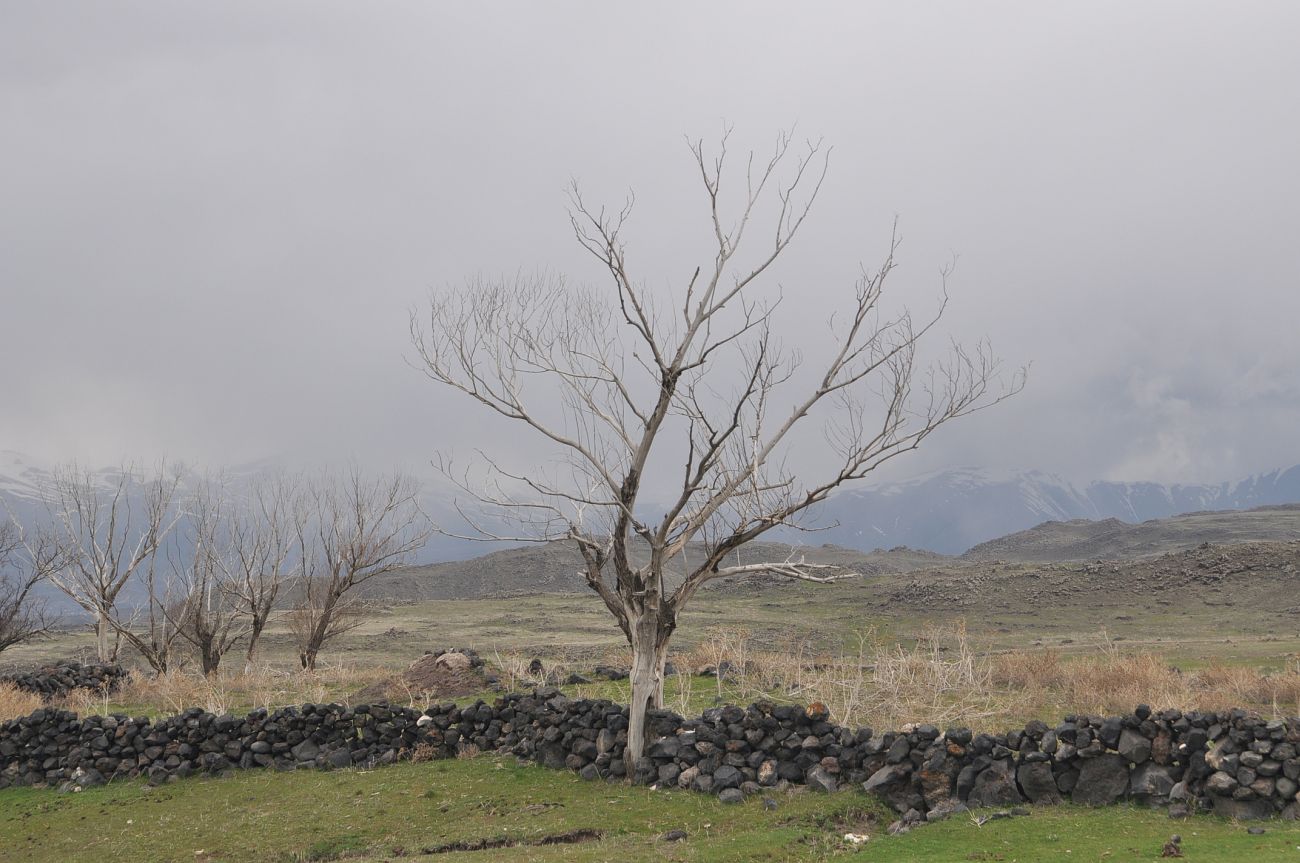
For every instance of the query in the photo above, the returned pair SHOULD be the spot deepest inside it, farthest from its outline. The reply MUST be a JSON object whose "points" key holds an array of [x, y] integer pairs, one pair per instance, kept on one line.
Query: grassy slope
{"points": [[399, 811]]}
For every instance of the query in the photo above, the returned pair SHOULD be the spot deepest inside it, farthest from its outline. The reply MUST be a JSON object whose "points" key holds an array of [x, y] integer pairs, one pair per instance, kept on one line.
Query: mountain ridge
{"points": [[954, 510], [948, 512]]}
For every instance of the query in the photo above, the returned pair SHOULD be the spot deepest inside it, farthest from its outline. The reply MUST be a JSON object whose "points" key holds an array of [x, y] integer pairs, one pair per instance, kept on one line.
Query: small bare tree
{"points": [[359, 528], [154, 626], [699, 380], [208, 617], [264, 531], [24, 564], [112, 528]]}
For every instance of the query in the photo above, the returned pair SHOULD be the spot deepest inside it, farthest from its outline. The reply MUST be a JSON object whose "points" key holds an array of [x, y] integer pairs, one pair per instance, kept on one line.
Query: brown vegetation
{"points": [[942, 679], [15, 702]]}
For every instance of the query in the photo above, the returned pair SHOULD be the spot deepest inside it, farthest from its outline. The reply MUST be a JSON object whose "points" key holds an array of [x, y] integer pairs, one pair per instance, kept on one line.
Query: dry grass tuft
{"points": [[15, 702], [1237, 685]]}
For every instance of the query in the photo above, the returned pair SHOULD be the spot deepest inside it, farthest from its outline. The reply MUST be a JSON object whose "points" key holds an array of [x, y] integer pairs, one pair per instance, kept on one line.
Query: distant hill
{"points": [[554, 568], [1111, 539], [951, 511]]}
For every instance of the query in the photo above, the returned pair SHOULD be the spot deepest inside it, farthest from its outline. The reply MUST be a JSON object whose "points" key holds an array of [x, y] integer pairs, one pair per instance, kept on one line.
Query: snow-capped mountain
{"points": [[947, 511], [952, 510]]}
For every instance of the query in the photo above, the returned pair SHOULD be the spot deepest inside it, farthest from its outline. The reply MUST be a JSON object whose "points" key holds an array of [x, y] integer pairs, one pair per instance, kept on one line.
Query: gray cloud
{"points": [[216, 216]]}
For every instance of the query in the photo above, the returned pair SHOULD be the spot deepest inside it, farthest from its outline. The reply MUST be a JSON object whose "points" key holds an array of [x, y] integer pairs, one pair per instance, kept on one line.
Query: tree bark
{"points": [[209, 658], [101, 638], [649, 653], [253, 635]]}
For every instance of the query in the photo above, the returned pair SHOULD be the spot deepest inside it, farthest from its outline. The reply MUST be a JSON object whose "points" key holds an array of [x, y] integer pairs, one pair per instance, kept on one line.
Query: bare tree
{"points": [[209, 618], [112, 528], [264, 531], [359, 528], [611, 380], [24, 564], [154, 626]]}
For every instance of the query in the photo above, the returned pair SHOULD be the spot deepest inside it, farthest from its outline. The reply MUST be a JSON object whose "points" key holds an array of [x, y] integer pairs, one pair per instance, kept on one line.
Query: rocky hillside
{"points": [[554, 568], [1259, 579], [1110, 539]]}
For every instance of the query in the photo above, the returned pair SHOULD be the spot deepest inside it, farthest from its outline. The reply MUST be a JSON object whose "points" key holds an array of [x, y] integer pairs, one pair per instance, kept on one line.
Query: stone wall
{"points": [[60, 679], [1231, 763]]}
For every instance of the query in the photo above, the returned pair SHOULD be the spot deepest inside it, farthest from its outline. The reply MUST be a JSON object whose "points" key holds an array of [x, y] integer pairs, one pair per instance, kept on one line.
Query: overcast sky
{"points": [[214, 217]]}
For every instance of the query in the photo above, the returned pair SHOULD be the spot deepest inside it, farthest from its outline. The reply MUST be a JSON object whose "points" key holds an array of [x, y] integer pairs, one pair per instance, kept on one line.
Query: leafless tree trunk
{"points": [[264, 530], [611, 379], [24, 564], [359, 528], [112, 528]]}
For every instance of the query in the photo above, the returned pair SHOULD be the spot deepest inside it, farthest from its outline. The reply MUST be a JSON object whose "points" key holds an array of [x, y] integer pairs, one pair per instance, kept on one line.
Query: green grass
{"points": [[400, 812]]}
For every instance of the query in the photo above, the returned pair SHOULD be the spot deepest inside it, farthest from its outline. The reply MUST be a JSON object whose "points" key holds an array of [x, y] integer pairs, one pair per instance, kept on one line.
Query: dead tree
{"points": [[24, 564], [359, 528], [627, 383], [111, 527], [264, 530]]}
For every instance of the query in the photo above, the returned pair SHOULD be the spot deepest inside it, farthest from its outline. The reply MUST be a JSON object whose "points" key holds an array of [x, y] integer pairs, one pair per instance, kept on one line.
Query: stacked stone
{"points": [[58, 680], [53, 747], [1152, 758], [1231, 763]]}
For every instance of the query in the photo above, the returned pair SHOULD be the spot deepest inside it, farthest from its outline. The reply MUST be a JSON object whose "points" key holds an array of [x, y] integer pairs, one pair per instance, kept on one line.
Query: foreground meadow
{"points": [[502, 811]]}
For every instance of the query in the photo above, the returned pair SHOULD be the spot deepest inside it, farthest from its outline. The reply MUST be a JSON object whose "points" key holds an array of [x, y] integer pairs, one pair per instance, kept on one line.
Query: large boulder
{"points": [[885, 777], [1102, 780], [1153, 781], [995, 786], [1038, 783], [819, 779], [1134, 746]]}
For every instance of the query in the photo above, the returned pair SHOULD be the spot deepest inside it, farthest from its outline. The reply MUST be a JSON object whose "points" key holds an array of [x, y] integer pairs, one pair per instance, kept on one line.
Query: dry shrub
{"points": [[1025, 669], [682, 692], [557, 666], [514, 669], [169, 692], [1112, 681], [85, 702], [424, 752], [15, 702]]}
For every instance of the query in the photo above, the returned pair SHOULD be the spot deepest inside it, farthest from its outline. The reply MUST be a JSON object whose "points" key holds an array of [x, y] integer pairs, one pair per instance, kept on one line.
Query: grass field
{"points": [[418, 811], [1189, 626]]}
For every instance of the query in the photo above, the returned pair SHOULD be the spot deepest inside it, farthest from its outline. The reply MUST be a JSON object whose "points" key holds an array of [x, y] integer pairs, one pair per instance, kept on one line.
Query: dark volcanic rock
{"points": [[1038, 783], [994, 786], [1102, 780]]}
